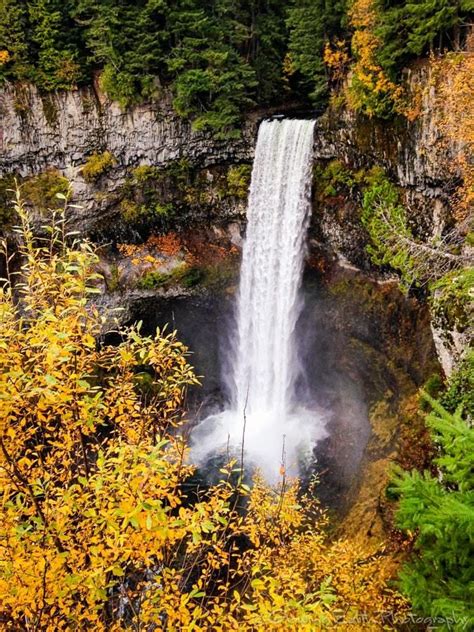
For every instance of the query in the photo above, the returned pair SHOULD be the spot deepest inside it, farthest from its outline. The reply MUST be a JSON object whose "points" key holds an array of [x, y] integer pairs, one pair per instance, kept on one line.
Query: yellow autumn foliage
{"points": [[100, 528], [369, 90], [336, 59], [4, 57]]}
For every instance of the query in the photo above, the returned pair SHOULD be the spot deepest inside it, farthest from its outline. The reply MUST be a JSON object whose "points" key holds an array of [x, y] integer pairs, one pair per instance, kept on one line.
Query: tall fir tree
{"points": [[409, 29], [311, 24], [212, 82], [56, 44], [439, 579], [15, 60]]}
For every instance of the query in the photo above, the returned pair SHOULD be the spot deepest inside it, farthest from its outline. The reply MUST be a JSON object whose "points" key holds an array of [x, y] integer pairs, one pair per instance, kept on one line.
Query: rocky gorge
{"points": [[166, 206]]}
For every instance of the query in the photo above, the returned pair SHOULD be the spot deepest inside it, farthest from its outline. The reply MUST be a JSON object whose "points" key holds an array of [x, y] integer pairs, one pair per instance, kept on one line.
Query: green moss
{"points": [[163, 210], [134, 213], [145, 173], [178, 168], [50, 109], [187, 276], [334, 177], [97, 165], [7, 186], [238, 181], [41, 191], [153, 280], [156, 194], [451, 298], [190, 277], [214, 277]]}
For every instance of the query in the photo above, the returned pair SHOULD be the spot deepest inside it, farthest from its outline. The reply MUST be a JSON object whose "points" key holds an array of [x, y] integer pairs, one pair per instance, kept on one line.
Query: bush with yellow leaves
{"points": [[97, 531], [370, 89]]}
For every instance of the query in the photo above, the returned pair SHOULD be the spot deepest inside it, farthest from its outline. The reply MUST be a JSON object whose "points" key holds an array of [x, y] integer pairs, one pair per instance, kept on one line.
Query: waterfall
{"points": [[268, 307], [265, 367]]}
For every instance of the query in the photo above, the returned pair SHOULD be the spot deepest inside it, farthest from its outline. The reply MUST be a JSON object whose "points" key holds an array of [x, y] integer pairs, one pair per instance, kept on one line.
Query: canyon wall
{"points": [[62, 131]]}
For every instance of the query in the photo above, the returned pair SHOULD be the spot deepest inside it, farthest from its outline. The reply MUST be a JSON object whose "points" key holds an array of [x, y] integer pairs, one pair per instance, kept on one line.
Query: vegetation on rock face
{"points": [[418, 261], [97, 165], [96, 528], [156, 196], [436, 506], [238, 181], [185, 275], [39, 192]]}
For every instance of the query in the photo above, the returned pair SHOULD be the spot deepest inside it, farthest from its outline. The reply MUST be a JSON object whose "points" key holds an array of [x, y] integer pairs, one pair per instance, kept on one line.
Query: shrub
{"points": [[334, 177], [238, 180], [134, 213], [188, 276], [97, 165], [452, 297], [97, 528], [153, 279], [145, 173], [460, 388], [41, 191]]}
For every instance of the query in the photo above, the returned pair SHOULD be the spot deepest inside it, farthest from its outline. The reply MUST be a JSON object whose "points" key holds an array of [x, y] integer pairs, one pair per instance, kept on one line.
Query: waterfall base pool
{"points": [[362, 345]]}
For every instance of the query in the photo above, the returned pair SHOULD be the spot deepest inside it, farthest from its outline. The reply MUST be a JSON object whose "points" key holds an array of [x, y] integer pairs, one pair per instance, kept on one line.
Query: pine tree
{"points": [[311, 24], [127, 39], [260, 36], [409, 29], [430, 23], [55, 45], [439, 580], [212, 83], [14, 57]]}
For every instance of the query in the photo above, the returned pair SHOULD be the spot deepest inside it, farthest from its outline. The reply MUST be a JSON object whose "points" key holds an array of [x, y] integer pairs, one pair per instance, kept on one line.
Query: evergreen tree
{"points": [[311, 24], [211, 81], [431, 23], [262, 26], [55, 44], [127, 39], [14, 56], [409, 29], [439, 580]]}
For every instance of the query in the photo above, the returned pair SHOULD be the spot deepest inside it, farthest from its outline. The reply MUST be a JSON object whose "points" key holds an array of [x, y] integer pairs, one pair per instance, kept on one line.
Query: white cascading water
{"points": [[265, 365]]}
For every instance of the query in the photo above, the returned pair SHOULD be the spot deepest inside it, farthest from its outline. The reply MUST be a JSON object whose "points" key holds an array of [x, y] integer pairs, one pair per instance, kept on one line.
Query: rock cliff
{"points": [[192, 184], [61, 131]]}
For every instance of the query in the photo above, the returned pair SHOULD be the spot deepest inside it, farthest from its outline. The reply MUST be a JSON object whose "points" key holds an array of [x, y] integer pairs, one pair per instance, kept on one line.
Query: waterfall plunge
{"points": [[265, 366]]}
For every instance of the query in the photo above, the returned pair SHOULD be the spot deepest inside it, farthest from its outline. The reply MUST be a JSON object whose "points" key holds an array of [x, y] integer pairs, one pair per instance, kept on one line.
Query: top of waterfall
{"points": [[291, 117]]}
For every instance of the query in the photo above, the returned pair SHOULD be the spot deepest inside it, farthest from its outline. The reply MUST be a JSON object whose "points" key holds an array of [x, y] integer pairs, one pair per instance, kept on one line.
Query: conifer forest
{"points": [[236, 315]]}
